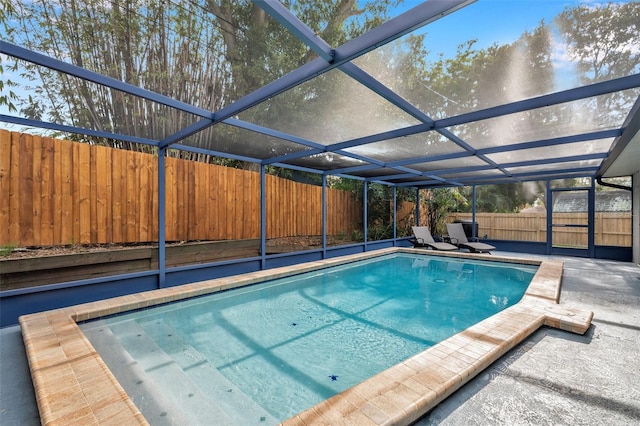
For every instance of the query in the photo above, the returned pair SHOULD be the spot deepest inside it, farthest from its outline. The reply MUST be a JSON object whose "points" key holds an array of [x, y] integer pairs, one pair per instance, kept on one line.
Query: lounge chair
{"points": [[459, 238], [423, 238]]}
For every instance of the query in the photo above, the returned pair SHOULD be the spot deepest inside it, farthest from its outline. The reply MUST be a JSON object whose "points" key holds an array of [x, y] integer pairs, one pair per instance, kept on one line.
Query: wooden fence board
{"points": [[132, 200], [217, 204], [84, 194], [203, 214], [104, 170], [47, 188], [36, 195], [118, 204], [75, 197], [170, 200], [229, 200], [191, 225], [108, 168], [14, 190], [66, 205], [5, 186], [26, 190], [93, 207]]}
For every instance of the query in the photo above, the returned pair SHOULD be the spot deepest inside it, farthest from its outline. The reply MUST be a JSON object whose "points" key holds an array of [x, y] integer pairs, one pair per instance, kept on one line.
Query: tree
{"points": [[505, 198], [604, 40], [205, 52], [7, 96], [441, 201], [171, 51]]}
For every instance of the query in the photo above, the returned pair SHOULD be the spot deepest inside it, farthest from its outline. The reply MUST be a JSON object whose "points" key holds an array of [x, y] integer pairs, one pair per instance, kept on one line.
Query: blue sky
{"points": [[501, 22], [491, 21]]}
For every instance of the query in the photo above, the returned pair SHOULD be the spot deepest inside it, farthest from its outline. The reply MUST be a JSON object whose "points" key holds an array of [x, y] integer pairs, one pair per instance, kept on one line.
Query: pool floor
{"points": [[74, 386]]}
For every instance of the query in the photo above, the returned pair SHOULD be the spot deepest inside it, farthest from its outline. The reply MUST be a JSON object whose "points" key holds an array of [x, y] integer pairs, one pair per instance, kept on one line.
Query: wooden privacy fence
{"points": [[611, 228], [56, 192]]}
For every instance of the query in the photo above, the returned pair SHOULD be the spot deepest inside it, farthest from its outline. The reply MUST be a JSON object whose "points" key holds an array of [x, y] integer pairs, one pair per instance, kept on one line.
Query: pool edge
{"points": [[74, 386]]}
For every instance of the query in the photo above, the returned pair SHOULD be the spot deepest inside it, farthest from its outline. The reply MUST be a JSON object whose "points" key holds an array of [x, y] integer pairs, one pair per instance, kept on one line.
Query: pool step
{"points": [[196, 366], [156, 407], [197, 405]]}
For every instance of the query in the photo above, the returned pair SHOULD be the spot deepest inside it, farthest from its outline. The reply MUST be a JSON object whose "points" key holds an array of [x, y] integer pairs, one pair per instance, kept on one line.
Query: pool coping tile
{"points": [[74, 386]]}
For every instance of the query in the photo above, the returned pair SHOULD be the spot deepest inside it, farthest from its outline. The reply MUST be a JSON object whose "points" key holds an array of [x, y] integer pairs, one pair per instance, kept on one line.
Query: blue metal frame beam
{"points": [[298, 168], [516, 177], [407, 131], [559, 97], [583, 157], [542, 161], [383, 91], [379, 137], [186, 132], [380, 35], [386, 181], [196, 150], [293, 156], [591, 220], [585, 137], [324, 216], [507, 180], [585, 171], [419, 16], [263, 217], [72, 129], [403, 176], [162, 207], [395, 213], [272, 132], [67, 68], [276, 10], [367, 80], [397, 27], [425, 183], [596, 89], [352, 169], [365, 213], [603, 134], [396, 164], [421, 160], [351, 177]]}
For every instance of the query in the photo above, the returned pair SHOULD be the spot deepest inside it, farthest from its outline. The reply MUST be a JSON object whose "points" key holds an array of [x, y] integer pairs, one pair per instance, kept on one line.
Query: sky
{"points": [[491, 21]]}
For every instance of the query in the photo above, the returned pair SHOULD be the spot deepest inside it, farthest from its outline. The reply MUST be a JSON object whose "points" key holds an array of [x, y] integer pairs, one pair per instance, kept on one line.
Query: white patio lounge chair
{"points": [[459, 238], [423, 238]]}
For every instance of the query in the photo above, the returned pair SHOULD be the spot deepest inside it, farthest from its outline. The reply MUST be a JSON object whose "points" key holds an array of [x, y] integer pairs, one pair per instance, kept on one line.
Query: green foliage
{"points": [[605, 42], [594, 38], [7, 249], [441, 201], [379, 213], [506, 198], [8, 96]]}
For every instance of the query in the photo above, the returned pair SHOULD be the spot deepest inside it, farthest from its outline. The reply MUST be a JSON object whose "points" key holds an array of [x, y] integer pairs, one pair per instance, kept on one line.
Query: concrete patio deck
{"points": [[553, 377]]}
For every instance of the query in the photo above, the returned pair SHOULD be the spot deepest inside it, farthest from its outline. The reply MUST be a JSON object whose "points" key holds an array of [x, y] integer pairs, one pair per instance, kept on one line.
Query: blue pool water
{"points": [[261, 354]]}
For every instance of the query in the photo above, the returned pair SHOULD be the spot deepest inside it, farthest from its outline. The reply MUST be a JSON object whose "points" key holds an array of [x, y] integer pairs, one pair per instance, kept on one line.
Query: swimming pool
{"points": [[73, 385], [261, 354]]}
